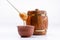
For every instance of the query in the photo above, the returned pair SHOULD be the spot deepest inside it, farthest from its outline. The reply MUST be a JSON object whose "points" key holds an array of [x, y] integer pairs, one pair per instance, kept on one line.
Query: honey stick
{"points": [[22, 15]]}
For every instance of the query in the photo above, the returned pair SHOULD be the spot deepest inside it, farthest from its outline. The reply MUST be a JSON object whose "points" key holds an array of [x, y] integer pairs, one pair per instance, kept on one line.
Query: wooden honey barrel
{"points": [[39, 19]]}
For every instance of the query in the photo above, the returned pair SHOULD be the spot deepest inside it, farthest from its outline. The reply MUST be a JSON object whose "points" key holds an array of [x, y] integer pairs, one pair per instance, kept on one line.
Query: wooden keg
{"points": [[39, 19]]}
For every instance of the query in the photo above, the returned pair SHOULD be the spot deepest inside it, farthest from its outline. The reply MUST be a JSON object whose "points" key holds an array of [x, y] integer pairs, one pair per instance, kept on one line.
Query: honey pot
{"points": [[39, 19]]}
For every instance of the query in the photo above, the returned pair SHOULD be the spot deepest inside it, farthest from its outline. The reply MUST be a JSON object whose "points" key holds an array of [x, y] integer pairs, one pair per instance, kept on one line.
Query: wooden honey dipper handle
{"points": [[22, 15], [13, 7]]}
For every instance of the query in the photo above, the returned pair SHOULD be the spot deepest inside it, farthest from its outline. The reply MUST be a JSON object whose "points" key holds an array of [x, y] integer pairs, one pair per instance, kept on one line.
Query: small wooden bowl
{"points": [[26, 31]]}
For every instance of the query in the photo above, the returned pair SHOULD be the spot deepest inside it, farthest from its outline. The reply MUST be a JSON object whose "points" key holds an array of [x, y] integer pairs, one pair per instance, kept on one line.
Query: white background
{"points": [[9, 18]]}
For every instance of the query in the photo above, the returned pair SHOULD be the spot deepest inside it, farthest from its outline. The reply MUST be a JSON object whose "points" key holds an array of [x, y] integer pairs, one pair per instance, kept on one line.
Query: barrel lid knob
{"points": [[36, 9]]}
